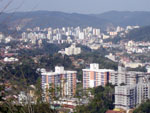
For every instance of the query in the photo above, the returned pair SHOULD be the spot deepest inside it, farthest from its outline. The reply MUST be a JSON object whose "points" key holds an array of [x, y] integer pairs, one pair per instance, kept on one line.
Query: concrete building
{"points": [[96, 32], [81, 35], [130, 96], [94, 76], [128, 77], [125, 97], [72, 50], [62, 79]]}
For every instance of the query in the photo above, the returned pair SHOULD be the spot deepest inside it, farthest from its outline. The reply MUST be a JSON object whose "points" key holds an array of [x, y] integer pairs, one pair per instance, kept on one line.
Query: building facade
{"points": [[130, 96], [72, 50], [61, 81], [128, 77], [94, 76]]}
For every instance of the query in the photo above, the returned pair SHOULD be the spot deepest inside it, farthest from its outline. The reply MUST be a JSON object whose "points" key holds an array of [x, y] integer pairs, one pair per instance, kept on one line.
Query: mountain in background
{"points": [[55, 19], [45, 19], [125, 18]]}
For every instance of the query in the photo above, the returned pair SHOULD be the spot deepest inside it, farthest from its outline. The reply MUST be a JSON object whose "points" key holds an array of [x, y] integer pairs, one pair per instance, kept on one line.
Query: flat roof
{"points": [[57, 73], [98, 70]]}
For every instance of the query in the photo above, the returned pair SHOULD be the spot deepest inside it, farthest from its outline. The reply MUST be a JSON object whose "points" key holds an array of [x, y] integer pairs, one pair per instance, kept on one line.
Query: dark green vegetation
{"points": [[141, 34], [56, 60], [46, 49], [103, 100], [2, 88], [98, 58], [8, 106], [143, 108], [38, 108], [23, 72], [47, 57], [60, 19], [140, 69]]}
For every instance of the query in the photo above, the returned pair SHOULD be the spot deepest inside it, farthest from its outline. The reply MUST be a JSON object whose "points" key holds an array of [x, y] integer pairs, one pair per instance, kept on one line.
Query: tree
{"points": [[2, 88], [143, 108], [103, 100]]}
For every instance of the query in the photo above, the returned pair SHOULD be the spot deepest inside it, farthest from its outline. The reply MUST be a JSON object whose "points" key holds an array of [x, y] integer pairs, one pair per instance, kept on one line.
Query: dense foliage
{"points": [[141, 34], [47, 48], [23, 72], [8, 107], [98, 58], [51, 61], [143, 108], [103, 100]]}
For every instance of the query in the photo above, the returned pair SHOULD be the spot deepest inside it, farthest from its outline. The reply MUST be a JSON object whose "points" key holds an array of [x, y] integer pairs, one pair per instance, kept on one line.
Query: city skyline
{"points": [[69, 6]]}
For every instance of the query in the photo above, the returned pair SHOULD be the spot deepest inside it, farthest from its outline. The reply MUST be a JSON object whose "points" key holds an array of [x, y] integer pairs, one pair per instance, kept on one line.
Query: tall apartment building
{"points": [[62, 79], [125, 97], [128, 77], [130, 96], [94, 76], [81, 35], [96, 32]]}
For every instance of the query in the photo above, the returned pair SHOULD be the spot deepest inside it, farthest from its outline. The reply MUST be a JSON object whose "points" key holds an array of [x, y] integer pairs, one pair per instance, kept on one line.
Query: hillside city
{"points": [[73, 68]]}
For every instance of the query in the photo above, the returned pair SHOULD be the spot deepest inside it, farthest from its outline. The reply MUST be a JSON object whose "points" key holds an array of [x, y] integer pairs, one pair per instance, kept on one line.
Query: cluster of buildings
{"points": [[131, 87], [66, 80], [8, 55], [60, 35], [5, 39], [72, 50], [137, 47], [89, 36]]}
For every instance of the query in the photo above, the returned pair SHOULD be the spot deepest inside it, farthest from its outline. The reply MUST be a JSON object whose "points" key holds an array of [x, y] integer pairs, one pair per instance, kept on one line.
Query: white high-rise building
{"points": [[81, 35], [130, 96], [72, 50], [128, 77], [96, 32], [125, 97]]}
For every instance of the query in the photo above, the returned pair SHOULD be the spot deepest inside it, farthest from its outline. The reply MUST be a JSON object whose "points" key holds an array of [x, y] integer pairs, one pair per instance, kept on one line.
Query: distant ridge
{"points": [[60, 19], [124, 18]]}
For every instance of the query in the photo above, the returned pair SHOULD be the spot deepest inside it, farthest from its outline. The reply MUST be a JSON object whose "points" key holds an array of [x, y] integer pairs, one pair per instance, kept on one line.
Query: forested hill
{"points": [[51, 19], [125, 18], [60, 19], [141, 34]]}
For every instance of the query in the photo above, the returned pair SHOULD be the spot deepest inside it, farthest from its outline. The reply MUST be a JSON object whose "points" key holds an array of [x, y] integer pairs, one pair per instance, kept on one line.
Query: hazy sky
{"points": [[78, 6]]}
